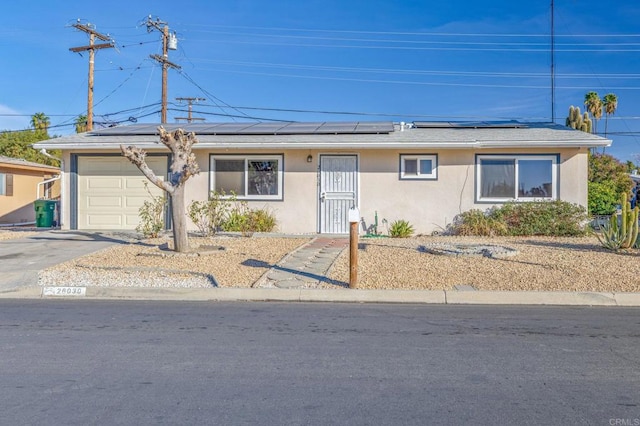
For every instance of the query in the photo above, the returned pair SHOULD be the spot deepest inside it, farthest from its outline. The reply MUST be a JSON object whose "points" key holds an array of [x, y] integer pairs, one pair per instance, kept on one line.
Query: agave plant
{"points": [[400, 229], [622, 233]]}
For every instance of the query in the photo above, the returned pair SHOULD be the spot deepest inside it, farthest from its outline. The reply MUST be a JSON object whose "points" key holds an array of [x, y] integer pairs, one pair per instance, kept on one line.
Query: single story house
{"points": [[21, 183], [310, 174]]}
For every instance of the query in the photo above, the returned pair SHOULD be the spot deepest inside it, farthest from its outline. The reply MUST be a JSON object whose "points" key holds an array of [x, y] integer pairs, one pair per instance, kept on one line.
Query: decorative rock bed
{"points": [[486, 250]]}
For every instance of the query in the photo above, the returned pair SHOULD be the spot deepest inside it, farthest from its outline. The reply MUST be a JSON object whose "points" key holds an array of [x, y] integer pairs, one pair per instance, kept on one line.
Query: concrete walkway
{"points": [[306, 266]]}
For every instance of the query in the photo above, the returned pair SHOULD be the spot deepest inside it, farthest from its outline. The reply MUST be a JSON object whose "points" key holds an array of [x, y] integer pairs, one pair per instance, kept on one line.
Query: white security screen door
{"points": [[338, 192]]}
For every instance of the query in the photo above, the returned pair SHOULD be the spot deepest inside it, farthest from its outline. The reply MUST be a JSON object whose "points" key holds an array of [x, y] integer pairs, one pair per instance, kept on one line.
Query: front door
{"points": [[338, 192]]}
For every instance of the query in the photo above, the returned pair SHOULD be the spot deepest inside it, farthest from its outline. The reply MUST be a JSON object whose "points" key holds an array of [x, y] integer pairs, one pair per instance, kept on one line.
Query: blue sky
{"points": [[373, 59]]}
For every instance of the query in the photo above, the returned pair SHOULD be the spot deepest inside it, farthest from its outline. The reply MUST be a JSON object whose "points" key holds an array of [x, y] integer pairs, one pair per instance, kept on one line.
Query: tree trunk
{"points": [[179, 217]]}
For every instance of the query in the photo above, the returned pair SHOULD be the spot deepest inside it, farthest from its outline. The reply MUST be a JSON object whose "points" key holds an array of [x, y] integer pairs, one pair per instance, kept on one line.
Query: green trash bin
{"points": [[45, 213]]}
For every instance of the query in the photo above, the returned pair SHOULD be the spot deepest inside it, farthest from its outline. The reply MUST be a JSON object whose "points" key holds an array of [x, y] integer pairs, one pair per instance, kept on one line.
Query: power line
{"points": [[441, 49], [492, 74], [119, 86], [384, 114], [419, 83], [192, 81], [426, 42], [439, 34], [233, 116]]}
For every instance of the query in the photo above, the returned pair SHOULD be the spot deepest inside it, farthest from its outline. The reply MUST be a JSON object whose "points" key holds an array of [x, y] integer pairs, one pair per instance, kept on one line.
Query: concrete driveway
{"points": [[21, 259]]}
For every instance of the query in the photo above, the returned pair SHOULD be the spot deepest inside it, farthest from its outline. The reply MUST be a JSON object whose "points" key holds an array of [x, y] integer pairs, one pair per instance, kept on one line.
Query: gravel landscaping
{"points": [[541, 263], [13, 233], [429, 263], [219, 261]]}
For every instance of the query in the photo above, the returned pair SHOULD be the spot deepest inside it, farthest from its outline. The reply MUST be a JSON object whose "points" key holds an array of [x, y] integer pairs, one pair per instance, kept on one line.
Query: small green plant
{"points": [[261, 220], [477, 222], [622, 232], [209, 215], [400, 229], [237, 220], [151, 215], [243, 219]]}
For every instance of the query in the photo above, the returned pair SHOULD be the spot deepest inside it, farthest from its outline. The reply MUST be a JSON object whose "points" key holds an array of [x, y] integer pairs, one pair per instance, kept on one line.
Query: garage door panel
{"points": [[138, 184], [135, 202], [105, 201], [111, 190], [101, 166], [103, 183], [131, 221], [104, 221]]}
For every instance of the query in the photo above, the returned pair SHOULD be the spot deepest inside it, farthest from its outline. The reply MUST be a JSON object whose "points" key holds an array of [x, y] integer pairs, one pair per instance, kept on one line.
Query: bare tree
{"points": [[183, 166]]}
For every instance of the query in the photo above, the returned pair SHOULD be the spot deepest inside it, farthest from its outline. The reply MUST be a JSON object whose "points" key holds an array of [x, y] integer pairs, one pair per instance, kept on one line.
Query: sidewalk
{"points": [[447, 297], [285, 282]]}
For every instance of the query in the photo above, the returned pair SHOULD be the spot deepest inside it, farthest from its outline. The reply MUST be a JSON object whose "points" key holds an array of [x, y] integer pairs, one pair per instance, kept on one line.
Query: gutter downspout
{"points": [[44, 152], [53, 179]]}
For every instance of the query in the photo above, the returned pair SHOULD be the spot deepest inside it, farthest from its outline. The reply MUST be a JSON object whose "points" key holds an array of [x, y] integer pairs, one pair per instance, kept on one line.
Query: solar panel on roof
{"points": [[374, 127], [264, 129], [468, 124], [299, 128], [343, 127], [254, 128]]}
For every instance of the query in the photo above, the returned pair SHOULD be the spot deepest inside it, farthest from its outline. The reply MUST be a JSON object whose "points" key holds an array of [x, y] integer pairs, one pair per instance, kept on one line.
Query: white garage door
{"points": [[111, 190]]}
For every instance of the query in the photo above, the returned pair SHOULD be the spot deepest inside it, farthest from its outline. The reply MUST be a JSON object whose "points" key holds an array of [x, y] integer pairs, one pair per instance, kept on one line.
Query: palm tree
{"points": [[81, 123], [610, 103], [40, 121], [593, 103]]}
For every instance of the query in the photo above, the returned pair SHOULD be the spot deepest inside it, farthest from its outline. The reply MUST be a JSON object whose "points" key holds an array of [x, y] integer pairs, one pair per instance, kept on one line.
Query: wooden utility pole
{"points": [[190, 102], [92, 47], [163, 27]]}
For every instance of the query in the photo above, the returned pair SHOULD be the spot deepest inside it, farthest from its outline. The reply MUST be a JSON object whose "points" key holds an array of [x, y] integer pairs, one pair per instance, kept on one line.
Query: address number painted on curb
{"points": [[64, 291]]}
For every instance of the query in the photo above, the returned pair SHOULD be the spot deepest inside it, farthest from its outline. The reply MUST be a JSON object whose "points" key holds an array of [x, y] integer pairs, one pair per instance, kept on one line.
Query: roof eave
{"points": [[349, 145]]}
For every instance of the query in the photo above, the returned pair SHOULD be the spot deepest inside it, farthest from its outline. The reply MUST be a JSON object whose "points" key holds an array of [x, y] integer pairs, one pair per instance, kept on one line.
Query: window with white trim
{"points": [[502, 178], [248, 176], [3, 184], [418, 166]]}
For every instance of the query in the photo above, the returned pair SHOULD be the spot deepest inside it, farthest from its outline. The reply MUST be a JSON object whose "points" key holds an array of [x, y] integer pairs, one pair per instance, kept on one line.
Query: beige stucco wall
{"points": [[18, 208], [432, 205], [296, 213], [429, 205]]}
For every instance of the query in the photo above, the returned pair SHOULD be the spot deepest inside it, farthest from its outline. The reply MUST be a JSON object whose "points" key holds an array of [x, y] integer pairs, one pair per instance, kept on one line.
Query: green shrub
{"points": [[550, 218], [400, 229], [261, 220], [603, 198], [247, 221], [151, 215], [477, 222], [209, 215]]}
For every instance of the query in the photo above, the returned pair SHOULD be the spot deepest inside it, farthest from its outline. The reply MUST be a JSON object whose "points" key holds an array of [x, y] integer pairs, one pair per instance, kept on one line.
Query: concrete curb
{"points": [[439, 297]]}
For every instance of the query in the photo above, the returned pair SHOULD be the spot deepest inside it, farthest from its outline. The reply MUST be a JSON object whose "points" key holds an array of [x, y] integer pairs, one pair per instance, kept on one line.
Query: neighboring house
{"points": [[310, 174], [20, 181]]}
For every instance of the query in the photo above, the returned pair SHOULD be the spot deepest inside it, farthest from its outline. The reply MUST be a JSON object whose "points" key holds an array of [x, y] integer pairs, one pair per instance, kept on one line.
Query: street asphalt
{"points": [[22, 259]]}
